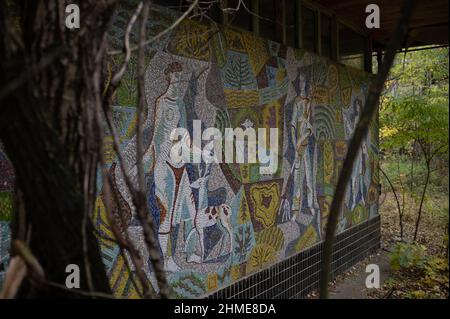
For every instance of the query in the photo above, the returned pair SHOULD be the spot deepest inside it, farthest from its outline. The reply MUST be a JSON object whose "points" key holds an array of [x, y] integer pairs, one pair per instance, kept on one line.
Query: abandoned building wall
{"points": [[218, 223]]}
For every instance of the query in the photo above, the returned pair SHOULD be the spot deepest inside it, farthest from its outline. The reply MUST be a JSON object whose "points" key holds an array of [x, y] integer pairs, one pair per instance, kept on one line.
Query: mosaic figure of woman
{"points": [[305, 167], [172, 186], [360, 178]]}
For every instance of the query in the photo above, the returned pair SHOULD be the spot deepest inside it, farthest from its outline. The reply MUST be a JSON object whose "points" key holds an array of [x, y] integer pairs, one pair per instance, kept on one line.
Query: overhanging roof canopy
{"points": [[428, 24]]}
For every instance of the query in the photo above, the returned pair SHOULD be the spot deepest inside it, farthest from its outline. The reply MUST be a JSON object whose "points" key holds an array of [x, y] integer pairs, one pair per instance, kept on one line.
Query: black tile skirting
{"points": [[298, 275]]}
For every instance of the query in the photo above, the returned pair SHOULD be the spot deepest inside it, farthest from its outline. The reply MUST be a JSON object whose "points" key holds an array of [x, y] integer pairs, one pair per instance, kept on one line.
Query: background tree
{"points": [[414, 124]]}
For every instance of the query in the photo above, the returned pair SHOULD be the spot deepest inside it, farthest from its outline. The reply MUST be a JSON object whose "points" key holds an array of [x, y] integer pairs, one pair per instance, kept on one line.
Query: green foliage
{"points": [[417, 275], [430, 271], [415, 104], [432, 280], [398, 168], [417, 294], [435, 266], [414, 130], [408, 256], [413, 118]]}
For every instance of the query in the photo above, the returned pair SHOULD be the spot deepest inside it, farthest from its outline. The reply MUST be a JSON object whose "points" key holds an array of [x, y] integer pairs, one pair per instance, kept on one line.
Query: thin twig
{"points": [[122, 240], [87, 264], [141, 100], [162, 33], [400, 212], [135, 195], [118, 76]]}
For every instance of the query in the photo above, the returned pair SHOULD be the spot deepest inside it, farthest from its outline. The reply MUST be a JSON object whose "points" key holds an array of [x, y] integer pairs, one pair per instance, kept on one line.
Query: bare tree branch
{"points": [[122, 239], [141, 99], [118, 76], [144, 215], [138, 196], [400, 211], [161, 34]]}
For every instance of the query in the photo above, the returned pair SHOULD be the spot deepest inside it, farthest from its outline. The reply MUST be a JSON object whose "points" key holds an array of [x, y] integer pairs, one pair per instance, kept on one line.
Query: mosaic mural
{"points": [[6, 188], [218, 223]]}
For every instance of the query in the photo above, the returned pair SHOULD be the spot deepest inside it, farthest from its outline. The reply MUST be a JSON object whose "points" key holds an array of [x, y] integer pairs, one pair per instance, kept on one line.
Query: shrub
{"points": [[408, 256]]}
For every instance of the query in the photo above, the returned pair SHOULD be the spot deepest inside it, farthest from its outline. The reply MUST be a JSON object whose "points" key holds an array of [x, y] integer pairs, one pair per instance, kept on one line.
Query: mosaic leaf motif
{"points": [[191, 40], [218, 48], [243, 243], [238, 72], [373, 194], [320, 95], [241, 98], [341, 149], [212, 282], [121, 281], [189, 285], [308, 239], [257, 50], [5, 206], [325, 203], [261, 256], [272, 236], [234, 40], [328, 162], [345, 96], [359, 214], [235, 272], [244, 211]]}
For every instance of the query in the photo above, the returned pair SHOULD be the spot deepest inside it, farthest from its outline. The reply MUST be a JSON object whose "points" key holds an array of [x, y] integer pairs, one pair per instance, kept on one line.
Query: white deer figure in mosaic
{"points": [[207, 216]]}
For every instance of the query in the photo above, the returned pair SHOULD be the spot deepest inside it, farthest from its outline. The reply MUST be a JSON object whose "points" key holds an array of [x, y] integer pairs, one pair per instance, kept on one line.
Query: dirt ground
{"points": [[432, 233]]}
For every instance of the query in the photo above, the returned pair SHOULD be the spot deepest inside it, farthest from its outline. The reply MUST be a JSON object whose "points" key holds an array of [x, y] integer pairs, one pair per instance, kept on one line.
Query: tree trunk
{"points": [[49, 131], [400, 212]]}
